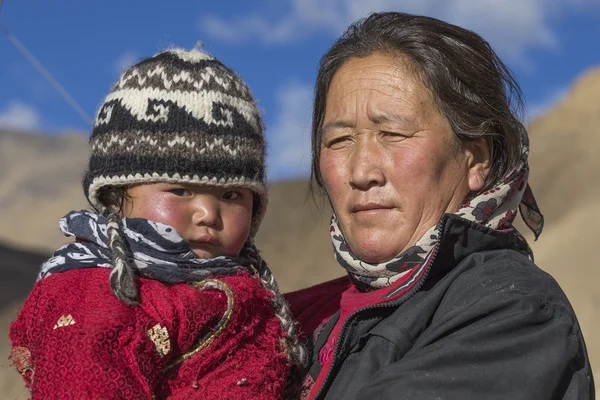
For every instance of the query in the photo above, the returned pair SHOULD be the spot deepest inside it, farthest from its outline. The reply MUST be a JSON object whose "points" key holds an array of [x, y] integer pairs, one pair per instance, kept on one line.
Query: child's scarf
{"points": [[157, 251]]}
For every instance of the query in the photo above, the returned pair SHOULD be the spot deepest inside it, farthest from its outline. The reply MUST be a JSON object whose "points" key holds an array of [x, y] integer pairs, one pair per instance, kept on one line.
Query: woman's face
{"points": [[388, 159]]}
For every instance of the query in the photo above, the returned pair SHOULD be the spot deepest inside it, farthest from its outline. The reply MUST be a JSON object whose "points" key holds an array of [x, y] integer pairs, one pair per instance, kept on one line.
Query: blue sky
{"points": [[274, 45]]}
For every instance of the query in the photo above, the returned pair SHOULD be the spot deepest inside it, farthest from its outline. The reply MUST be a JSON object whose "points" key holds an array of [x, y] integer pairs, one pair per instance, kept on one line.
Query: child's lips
{"points": [[206, 240]]}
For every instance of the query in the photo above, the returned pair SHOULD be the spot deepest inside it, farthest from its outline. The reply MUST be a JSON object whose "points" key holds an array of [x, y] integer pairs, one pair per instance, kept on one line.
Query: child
{"points": [[163, 294]]}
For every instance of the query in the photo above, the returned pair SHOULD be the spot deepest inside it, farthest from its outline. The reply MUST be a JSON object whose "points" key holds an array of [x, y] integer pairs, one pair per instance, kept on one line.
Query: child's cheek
{"points": [[164, 209]]}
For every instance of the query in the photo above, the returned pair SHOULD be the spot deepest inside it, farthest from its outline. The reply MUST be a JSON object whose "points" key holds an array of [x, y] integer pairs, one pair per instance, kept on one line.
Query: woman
{"points": [[418, 147]]}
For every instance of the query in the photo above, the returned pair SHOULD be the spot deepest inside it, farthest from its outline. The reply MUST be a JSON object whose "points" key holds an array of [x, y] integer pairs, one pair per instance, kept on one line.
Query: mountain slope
{"points": [[40, 181]]}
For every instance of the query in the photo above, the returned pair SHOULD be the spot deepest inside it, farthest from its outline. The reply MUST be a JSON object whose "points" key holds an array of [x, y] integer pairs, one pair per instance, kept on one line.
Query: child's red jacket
{"points": [[75, 340]]}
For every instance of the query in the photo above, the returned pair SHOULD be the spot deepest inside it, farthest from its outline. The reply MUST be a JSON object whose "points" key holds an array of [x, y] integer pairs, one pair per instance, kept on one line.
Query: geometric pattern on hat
{"points": [[179, 116]]}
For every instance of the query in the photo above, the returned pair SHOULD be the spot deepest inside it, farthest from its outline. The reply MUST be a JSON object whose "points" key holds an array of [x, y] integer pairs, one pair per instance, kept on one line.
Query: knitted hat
{"points": [[179, 116]]}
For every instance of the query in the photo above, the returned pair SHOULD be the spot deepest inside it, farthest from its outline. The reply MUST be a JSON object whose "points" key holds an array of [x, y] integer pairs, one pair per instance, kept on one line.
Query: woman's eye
{"points": [[338, 142], [232, 195], [180, 192], [393, 136]]}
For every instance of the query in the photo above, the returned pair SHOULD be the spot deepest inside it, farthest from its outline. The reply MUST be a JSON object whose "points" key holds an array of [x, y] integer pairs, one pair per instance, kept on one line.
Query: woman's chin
{"points": [[376, 254]]}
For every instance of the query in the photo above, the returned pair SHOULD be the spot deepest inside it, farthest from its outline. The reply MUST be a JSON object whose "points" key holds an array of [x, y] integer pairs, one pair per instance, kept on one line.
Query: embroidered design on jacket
{"points": [[64, 320], [21, 358], [160, 337], [209, 284]]}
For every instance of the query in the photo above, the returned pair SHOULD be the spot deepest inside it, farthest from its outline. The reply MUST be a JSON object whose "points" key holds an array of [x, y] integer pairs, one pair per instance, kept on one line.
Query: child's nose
{"points": [[206, 212]]}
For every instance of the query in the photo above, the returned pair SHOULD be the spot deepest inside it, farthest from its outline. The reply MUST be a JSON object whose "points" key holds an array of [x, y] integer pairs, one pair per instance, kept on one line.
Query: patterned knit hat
{"points": [[179, 116]]}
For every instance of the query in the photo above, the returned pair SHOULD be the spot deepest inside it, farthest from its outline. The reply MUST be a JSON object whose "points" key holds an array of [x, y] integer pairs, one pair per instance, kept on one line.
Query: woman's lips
{"points": [[366, 207], [371, 210]]}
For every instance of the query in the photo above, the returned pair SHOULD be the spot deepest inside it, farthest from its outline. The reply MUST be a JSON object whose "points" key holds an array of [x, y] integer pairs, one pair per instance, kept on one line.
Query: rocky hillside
{"points": [[40, 175], [39, 181]]}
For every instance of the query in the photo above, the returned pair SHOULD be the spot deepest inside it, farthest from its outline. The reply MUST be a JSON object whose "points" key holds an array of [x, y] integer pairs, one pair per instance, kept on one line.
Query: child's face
{"points": [[214, 220]]}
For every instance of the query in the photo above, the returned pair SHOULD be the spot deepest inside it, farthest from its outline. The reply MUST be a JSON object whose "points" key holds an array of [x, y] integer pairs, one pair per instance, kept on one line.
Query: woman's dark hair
{"points": [[471, 86]]}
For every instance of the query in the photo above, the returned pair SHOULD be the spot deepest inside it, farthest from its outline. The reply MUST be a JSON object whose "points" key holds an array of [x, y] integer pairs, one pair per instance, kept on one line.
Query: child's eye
{"points": [[232, 195], [180, 192]]}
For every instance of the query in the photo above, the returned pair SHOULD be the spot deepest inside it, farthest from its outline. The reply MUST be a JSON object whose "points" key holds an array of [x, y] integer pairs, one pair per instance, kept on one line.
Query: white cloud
{"points": [[289, 137], [19, 116], [125, 61], [512, 26], [306, 17]]}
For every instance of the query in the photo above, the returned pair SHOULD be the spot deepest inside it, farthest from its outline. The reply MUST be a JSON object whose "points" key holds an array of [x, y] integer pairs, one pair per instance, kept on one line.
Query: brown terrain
{"points": [[40, 181]]}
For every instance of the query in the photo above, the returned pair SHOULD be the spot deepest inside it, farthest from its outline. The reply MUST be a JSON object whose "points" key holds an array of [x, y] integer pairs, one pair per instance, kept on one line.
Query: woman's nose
{"points": [[367, 165], [206, 212]]}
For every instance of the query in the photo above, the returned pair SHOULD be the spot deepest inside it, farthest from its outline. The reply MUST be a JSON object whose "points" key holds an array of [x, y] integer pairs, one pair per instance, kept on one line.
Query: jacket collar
{"points": [[459, 238]]}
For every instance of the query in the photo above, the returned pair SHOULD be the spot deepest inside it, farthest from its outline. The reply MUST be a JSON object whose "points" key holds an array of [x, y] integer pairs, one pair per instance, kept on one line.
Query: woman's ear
{"points": [[479, 155]]}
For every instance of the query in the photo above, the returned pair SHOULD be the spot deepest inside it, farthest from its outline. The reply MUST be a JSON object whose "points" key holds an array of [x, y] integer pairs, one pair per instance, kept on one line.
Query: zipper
{"points": [[395, 303]]}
